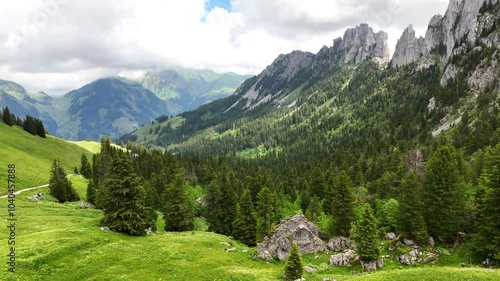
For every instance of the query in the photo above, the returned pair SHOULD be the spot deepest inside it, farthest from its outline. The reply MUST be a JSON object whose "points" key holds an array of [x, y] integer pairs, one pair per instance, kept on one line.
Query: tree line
{"points": [[30, 124]]}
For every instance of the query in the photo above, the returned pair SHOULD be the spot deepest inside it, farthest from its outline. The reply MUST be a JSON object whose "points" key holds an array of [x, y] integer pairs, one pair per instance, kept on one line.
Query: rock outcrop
{"points": [[409, 48], [372, 265], [342, 258], [461, 27], [339, 244], [410, 257], [361, 43], [298, 229]]}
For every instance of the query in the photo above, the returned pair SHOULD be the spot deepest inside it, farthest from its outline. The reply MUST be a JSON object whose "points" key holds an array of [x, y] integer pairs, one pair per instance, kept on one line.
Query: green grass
{"points": [[80, 185], [92, 146], [63, 242], [33, 156], [259, 151]]}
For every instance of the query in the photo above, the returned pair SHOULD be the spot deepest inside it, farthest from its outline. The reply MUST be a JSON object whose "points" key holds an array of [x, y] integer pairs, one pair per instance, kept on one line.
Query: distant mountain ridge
{"points": [[116, 106], [188, 89]]}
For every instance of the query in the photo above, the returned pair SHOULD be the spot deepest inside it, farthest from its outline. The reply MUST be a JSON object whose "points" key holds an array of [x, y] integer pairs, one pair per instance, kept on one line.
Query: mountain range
{"points": [[116, 106], [353, 91]]}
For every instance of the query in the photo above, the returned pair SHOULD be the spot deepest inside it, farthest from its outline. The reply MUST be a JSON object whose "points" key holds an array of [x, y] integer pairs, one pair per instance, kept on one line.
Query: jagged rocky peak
{"points": [[362, 43], [289, 65], [409, 48], [459, 22], [460, 27]]}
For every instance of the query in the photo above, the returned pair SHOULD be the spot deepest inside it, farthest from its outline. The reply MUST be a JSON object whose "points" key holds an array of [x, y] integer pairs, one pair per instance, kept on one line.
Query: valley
{"points": [[349, 163]]}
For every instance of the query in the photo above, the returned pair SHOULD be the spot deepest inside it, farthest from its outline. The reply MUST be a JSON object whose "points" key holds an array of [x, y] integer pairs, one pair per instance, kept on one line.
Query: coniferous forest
{"points": [[359, 161]]}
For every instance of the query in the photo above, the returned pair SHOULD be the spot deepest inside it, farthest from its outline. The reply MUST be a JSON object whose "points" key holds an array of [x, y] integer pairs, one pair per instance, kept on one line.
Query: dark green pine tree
{"points": [[6, 116], [221, 204], [152, 198], [410, 222], [314, 210], [304, 198], [329, 194], [317, 187], [245, 224], [264, 213], [487, 239], [365, 234], [85, 168], [294, 266], [29, 125], [214, 211], [119, 197], [91, 192], [59, 185], [39, 129], [343, 204], [443, 194], [178, 212]]}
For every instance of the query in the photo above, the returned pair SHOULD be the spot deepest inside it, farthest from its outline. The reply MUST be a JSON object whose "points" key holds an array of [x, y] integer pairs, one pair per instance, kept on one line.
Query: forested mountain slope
{"points": [[346, 97]]}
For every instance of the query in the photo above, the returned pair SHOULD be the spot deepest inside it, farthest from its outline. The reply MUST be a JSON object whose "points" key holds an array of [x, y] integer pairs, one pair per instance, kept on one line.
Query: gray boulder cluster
{"points": [[305, 233]]}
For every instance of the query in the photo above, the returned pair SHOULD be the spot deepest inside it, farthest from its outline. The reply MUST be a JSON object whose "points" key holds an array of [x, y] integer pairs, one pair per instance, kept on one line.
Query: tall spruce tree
{"points": [[178, 212], [29, 125], [6, 116], [221, 204], [314, 210], [317, 187], [91, 192], [264, 213], [410, 222], [39, 128], [343, 204], [365, 234], [294, 267], [245, 224], [119, 197], [85, 168], [214, 211], [487, 239], [443, 194], [328, 203], [59, 185]]}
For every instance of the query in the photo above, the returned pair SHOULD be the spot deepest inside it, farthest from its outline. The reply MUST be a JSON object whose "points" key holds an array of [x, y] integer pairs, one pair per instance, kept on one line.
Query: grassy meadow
{"points": [[63, 242], [33, 156]]}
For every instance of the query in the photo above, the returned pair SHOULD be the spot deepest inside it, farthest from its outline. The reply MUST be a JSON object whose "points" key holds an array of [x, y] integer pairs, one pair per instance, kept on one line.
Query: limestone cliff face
{"points": [[361, 43], [287, 71], [409, 48], [459, 29]]}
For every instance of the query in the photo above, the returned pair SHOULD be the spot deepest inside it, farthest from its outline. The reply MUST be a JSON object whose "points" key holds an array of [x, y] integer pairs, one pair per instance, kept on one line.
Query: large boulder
{"points": [[298, 229]]}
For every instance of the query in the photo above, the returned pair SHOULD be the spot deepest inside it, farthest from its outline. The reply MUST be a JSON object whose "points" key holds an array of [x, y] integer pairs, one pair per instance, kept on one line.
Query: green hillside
{"points": [[64, 242], [33, 156]]}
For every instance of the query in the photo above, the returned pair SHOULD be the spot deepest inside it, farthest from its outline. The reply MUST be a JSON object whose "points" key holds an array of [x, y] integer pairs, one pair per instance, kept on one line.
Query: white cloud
{"points": [[59, 45]]}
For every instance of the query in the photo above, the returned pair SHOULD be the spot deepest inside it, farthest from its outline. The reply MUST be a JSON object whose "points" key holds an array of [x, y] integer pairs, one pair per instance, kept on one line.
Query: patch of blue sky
{"points": [[211, 4]]}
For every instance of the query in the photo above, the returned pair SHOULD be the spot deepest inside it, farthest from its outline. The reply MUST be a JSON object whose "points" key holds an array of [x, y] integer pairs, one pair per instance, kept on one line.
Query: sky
{"points": [[60, 45]]}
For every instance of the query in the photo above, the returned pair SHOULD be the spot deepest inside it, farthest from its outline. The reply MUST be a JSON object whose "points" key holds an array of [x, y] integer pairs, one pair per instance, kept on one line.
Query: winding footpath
{"points": [[31, 188]]}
